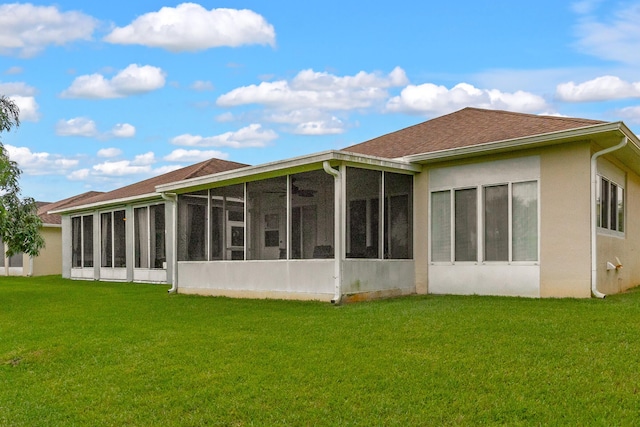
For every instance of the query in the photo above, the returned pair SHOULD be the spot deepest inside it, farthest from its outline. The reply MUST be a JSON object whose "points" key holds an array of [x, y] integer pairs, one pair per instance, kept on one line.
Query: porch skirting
{"points": [[297, 279]]}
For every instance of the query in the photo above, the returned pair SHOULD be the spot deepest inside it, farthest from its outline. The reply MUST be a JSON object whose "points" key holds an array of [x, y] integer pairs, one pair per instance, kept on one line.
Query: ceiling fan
{"points": [[301, 192]]}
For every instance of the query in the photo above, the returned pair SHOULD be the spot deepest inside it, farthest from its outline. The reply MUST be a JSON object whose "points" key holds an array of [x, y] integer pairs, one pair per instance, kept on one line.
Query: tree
{"points": [[19, 221]]}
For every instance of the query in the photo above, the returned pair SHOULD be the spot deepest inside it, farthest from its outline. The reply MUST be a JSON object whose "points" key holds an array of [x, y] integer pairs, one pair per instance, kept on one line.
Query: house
{"points": [[49, 261], [98, 243], [473, 202]]}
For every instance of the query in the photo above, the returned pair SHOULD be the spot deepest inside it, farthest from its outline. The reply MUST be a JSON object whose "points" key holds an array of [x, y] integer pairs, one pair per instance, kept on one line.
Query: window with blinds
{"points": [[492, 223]]}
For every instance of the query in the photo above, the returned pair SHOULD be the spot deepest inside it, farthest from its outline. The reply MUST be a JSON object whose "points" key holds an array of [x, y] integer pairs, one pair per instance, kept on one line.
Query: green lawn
{"points": [[91, 353]]}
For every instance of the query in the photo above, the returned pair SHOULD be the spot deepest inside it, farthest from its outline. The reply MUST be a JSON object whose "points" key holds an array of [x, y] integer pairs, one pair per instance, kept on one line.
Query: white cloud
{"points": [[14, 70], [616, 39], [79, 126], [85, 127], [193, 156], [28, 108], [40, 163], [225, 117], [27, 29], [109, 152], [202, 86], [309, 121], [166, 169], [145, 159], [109, 173], [310, 89], [17, 88], [630, 114], [78, 175], [23, 96], [123, 130], [119, 168], [132, 80], [190, 27], [432, 99], [599, 89], [249, 136], [320, 128], [585, 6]]}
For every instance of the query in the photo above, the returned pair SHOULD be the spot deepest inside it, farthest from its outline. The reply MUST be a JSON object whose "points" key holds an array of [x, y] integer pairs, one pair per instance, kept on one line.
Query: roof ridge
{"points": [[537, 116], [199, 167]]}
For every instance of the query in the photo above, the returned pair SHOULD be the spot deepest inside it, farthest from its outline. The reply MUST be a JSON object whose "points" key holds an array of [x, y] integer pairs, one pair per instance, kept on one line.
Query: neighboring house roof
{"points": [[53, 219], [148, 186], [463, 128]]}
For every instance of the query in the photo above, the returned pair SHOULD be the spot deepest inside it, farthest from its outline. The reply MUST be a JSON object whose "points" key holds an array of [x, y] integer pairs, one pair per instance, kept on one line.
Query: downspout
{"points": [[337, 232], [173, 199], [594, 183]]}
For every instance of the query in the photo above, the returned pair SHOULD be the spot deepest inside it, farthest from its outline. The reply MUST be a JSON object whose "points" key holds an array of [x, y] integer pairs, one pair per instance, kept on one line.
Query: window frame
{"points": [[113, 247], [148, 210], [615, 207], [480, 217], [82, 242]]}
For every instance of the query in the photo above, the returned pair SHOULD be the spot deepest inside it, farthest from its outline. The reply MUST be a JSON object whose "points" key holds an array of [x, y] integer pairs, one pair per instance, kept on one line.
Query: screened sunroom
{"points": [[318, 227]]}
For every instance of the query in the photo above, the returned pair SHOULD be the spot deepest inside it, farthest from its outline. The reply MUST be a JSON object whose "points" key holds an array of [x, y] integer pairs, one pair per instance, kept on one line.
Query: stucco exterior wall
{"points": [[624, 247], [50, 259], [565, 221], [517, 278]]}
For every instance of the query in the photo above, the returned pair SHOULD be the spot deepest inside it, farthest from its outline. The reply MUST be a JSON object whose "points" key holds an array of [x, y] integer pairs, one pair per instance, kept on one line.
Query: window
{"points": [[524, 226], [466, 225], [192, 218], [149, 240], [363, 212], [113, 239], [496, 223], [509, 221], [609, 205], [13, 261], [267, 219], [398, 210], [82, 241], [312, 199], [211, 224], [441, 226], [379, 214]]}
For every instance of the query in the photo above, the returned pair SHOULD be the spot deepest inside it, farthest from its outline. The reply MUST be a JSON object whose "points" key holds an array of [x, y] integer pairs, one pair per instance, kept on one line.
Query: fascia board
{"points": [[540, 140], [107, 203], [293, 165]]}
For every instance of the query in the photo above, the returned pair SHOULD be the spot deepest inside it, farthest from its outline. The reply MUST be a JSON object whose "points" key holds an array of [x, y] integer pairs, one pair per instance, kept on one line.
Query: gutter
{"points": [[594, 182], [337, 232], [173, 199]]}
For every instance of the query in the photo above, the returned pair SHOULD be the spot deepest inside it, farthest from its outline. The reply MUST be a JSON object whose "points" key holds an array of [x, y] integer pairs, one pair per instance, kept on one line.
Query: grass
{"points": [[107, 354]]}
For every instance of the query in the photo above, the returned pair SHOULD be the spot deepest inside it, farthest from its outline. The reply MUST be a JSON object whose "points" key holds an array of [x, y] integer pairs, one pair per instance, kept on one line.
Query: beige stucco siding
{"points": [[421, 231], [625, 247], [49, 261], [565, 221]]}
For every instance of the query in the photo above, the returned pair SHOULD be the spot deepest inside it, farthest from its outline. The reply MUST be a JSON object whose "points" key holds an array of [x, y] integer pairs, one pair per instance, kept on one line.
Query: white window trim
{"points": [[113, 236], [480, 217], [82, 237], [135, 224], [606, 230]]}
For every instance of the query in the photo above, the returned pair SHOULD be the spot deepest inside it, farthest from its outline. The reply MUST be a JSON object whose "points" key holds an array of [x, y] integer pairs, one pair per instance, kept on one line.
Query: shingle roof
{"points": [[54, 219], [148, 186], [463, 128]]}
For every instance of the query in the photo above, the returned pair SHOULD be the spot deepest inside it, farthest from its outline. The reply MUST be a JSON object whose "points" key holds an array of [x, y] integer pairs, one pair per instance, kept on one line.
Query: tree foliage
{"points": [[19, 221]]}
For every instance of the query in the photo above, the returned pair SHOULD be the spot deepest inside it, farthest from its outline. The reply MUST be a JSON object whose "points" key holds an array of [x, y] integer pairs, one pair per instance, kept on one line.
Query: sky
{"points": [[111, 93]]}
